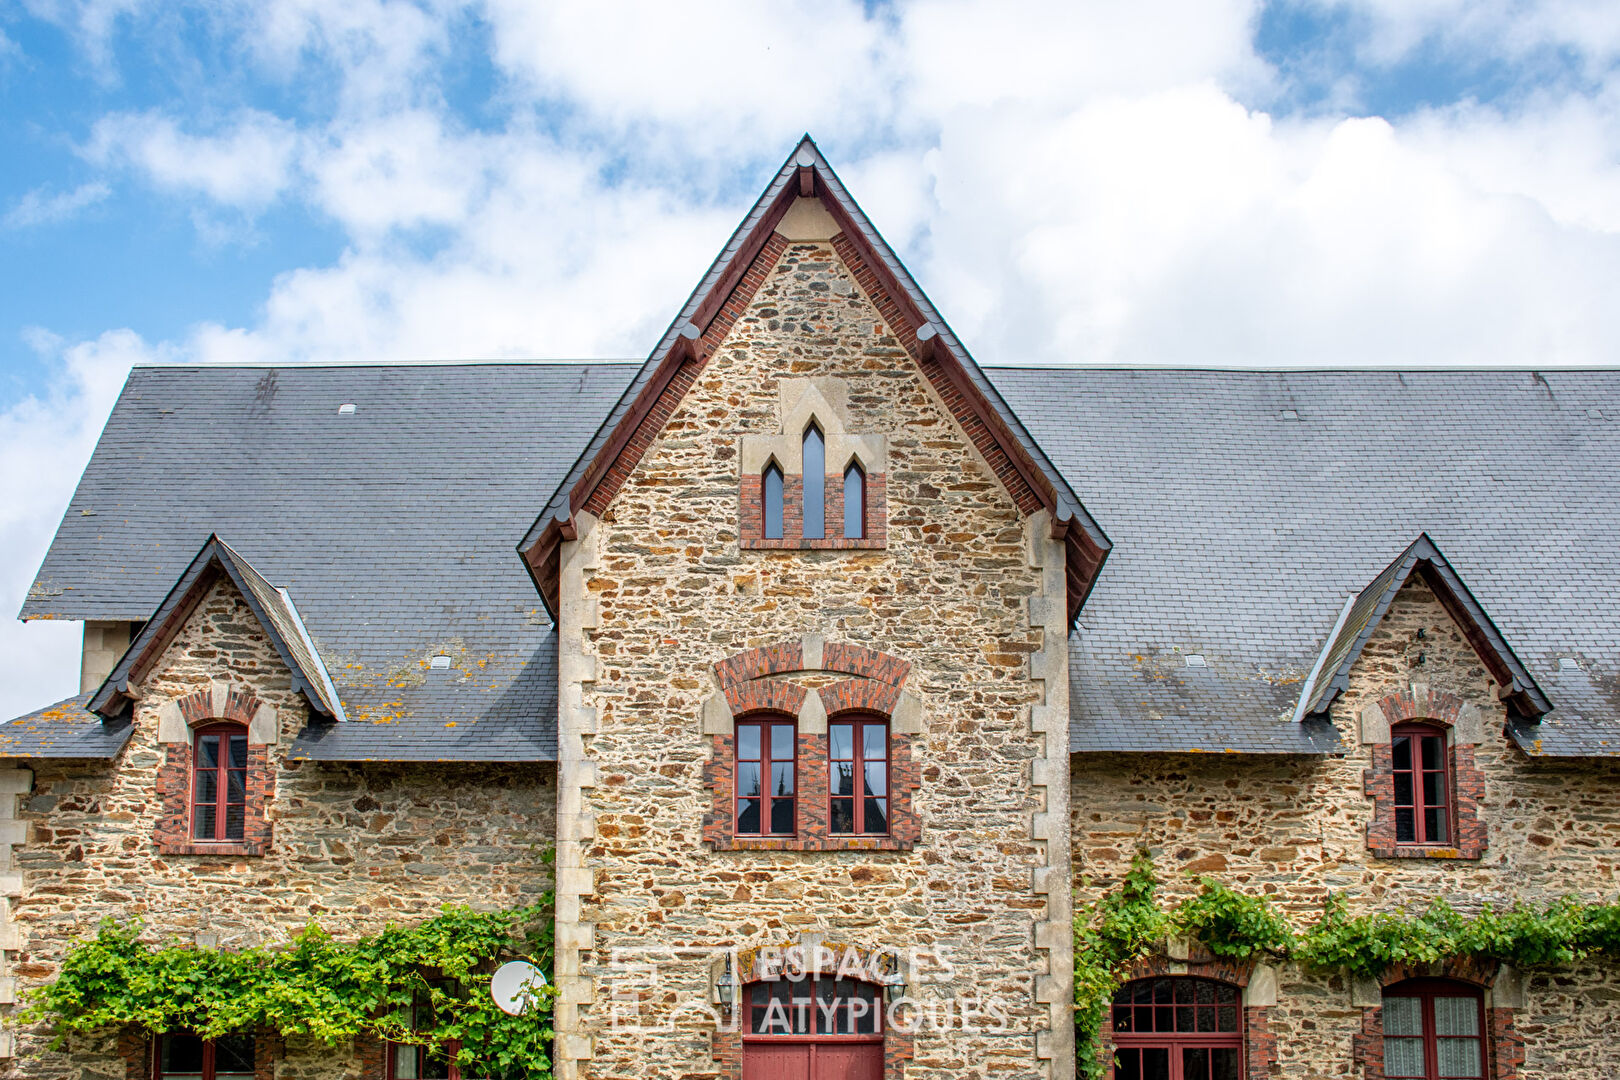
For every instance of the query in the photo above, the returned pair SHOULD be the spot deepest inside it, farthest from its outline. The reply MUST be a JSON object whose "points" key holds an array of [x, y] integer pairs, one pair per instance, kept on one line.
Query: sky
{"points": [[1255, 183]]}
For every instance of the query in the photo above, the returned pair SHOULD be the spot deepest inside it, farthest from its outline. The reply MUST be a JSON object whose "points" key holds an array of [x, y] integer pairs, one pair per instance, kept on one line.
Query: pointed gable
{"points": [[1029, 477], [1367, 609], [273, 608]]}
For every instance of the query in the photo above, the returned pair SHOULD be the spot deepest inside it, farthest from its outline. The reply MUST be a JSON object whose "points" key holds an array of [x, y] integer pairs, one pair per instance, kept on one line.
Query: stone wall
{"points": [[674, 594], [354, 847], [1297, 828]]}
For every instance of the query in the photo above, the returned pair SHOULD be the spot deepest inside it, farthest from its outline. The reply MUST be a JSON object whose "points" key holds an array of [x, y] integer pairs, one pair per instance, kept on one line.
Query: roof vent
{"points": [[346, 409], [1568, 663], [1288, 414], [440, 662], [1196, 660]]}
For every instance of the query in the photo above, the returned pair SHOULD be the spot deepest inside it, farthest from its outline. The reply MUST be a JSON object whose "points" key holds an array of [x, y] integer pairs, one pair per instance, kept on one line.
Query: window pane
{"points": [[203, 823], [1122, 1017], [748, 816], [832, 1008], [877, 816], [868, 1009], [1403, 1016], [876, 778], [208, 752], [876, 742], [748, 741], [854, 504], [234, 822], [781, 742], [1226, 993], [1184, 1018], [1403, 751], [1206, 1018], [1194, 1063], [1431, 752], [1156, 1063], [238, 752], [181, 1054], [843, 778], [207, 787], [236, 786], [1204, 993], [841, 741], [1405, 825], [815, 485], [1434, 825], [405, 1063], [1130, 1065], [1460, 1059], [1223, 1064], [1226, 1018], [1434, 788], [747, 778], [843, 816], [234, 1054], [1403, 789], [1403, 1058], [782, 816], [1456, 1016], [772, 500], [782, 779]]}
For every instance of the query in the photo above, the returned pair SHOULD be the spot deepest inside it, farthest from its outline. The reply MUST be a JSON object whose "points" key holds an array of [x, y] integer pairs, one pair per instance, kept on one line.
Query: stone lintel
{"points": [[1262, 989]]}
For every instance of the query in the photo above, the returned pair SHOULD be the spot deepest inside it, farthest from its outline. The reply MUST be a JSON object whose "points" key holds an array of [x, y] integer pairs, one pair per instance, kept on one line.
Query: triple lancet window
{"points": [[219, 783], [1422, 785], [812, 495]]}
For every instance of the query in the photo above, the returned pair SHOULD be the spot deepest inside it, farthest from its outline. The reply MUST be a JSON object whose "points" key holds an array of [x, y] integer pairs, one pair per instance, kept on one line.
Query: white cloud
{"points": [[39, 207], [245, 165]]}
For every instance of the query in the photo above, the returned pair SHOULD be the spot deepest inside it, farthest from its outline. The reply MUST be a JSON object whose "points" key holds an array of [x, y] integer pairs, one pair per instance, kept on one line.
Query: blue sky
{"points": [[1228, 182]]}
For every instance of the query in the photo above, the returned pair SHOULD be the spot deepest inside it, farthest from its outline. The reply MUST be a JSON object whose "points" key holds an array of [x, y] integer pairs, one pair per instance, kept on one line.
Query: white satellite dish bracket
{"points": [[514, 984]]}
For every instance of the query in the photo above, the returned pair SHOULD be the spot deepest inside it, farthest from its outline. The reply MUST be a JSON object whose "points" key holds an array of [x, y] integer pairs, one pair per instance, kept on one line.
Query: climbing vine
{"points": [[317, 986], [1129, 922]]}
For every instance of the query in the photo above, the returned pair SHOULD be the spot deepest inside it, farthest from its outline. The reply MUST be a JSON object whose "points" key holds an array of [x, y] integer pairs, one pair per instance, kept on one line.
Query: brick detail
{"points": [[847, 659], [173, 831], [757, 663], [1259, 1042], [860, 695], [1503, 1043], [135, 1050], [760, 696], [838, 657], [652, 424], [1467, 785], [371, 1057], [719, 776], [751, 526], [983, 439]]}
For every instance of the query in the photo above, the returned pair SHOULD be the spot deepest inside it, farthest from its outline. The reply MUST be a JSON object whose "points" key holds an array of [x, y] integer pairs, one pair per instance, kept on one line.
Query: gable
{"points": [[807, 201]]}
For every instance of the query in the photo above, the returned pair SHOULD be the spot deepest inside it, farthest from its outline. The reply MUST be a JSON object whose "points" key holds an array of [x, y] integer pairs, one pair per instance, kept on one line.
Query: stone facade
{"points": [[674, 593], [1296, 829], [353, 847]]}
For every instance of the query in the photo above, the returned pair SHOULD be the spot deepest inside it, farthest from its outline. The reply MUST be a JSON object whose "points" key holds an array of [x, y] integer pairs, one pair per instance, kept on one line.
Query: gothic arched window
{"points": [[815, 484], [771, 501], [854, 502]]}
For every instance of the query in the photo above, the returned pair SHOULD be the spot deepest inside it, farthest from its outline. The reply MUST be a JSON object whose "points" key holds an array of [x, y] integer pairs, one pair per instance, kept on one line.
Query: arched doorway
{"points": [[813, 1029], [1178, 1028]]}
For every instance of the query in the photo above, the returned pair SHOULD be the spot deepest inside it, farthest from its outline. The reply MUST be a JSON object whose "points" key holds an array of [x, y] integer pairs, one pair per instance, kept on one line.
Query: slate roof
{"points": [[67, 729], [273, 608], [393, 528], [1247, 507]]}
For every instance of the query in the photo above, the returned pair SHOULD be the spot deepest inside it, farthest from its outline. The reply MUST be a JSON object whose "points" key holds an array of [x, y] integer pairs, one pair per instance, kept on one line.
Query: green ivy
{"points": [[1127, 923], [320, 987]]}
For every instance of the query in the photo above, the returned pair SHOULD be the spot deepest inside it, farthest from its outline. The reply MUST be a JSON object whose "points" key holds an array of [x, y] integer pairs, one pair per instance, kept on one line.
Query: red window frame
{"points": [[1426, 779], [1176, 1014], [766, 757], [209, 1051], [805, 996], [859, 802], [1427, 991], [215, 813]]}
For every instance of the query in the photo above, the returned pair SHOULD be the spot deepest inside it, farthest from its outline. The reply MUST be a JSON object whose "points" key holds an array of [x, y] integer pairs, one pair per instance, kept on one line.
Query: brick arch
{"points": [[1259, 1042], [839, 658], [1427, 705], [198, 707]]}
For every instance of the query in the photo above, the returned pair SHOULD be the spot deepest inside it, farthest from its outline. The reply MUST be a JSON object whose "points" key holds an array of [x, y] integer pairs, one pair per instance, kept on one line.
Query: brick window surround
{"points": [[1504, 1046], [174, 778], [1259, 1043], [752, 686], [1467, 783]]}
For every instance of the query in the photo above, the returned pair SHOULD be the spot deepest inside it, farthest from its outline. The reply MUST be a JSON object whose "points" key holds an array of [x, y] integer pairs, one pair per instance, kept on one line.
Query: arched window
{"points": [[767, 784], [219, 783], [813, 1028], [186, 1057], [1422, 784], [1178, 1029], [858, 777], [854, 502], [1434, 1029], [771, 501], [815, 484]]}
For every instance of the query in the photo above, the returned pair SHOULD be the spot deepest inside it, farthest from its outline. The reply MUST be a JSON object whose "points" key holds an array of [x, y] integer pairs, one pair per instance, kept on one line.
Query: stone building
{"points": [[809, 637]]}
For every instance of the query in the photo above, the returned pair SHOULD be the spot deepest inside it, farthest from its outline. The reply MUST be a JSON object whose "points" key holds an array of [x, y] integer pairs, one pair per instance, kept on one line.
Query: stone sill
{"points": [[805, 843], [1425, 851], [235, 849]]}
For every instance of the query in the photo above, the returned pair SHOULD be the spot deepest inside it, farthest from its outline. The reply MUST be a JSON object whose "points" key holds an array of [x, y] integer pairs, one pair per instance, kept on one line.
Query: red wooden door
{"points": [[813, 1061], [813, 1029]]}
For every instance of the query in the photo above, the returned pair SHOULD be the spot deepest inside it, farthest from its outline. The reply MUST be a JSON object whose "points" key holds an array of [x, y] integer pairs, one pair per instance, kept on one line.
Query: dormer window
{"points": [[771, 501], [815, 484], [854, 502]]}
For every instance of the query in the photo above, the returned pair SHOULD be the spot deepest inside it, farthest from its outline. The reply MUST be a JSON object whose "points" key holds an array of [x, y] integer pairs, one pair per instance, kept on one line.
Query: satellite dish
{"points": [[513, 986]]}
